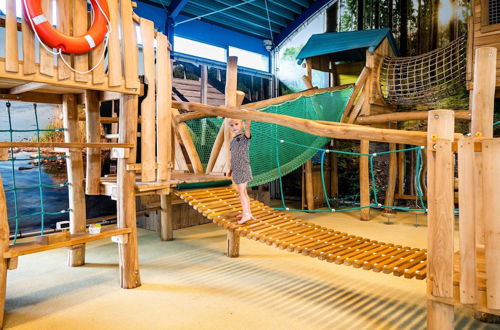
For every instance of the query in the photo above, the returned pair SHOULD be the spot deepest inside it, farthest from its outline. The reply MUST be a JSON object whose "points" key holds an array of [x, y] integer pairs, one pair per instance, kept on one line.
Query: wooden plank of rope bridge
{"points": [[403, 267], [369, 263], [46, 58], [74, 164], [440, 218], [360, 261], [115, 77], [491, 195], [4, 247], [392, 267], [324, 246], [80, 26], [329, 253], [64, 26], [312, 236], [379, 265], [28, 45], [310, 244], [126, 207], [356, 250], [282, 232], [357, 258], [93, 130], [417, 271], [148, 111], [11, 47], [467, 226], [290, 233]]}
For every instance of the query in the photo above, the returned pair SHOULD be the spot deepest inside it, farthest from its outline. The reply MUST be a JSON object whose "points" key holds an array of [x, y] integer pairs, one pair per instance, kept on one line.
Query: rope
{"points": [[42, 213]]}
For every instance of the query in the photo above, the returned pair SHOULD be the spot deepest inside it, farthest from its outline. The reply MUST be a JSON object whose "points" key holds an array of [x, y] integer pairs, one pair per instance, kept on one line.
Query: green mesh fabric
{"points": [[270, 141]]}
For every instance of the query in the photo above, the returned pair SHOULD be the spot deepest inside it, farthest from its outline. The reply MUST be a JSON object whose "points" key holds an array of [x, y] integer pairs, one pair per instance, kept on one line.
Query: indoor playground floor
{"points": [[190, 284]]}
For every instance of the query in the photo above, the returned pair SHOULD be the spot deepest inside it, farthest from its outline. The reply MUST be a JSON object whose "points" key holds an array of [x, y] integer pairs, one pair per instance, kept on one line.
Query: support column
{"points": [[364, 180], [440, 201], [4, 246], [74, 165], [233, 244], [126, 206], [93, 128], [309, 185], [482, 107], [167, 229], [393, 172]]}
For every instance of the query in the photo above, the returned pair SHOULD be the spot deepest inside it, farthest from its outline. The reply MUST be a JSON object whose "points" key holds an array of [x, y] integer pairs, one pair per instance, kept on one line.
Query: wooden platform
{"points": [[281, 230]]}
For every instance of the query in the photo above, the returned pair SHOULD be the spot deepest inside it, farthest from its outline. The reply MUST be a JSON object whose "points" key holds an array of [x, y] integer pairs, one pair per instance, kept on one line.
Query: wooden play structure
{"points": [[164, 171]]}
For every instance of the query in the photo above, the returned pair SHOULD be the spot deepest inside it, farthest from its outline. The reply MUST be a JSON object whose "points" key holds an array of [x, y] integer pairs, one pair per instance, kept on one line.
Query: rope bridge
{"points": [[282, 230], [425, 78]]}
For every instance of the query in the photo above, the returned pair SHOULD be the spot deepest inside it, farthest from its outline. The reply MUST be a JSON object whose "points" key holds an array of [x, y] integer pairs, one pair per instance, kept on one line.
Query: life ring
{"points": [[68, 44]]}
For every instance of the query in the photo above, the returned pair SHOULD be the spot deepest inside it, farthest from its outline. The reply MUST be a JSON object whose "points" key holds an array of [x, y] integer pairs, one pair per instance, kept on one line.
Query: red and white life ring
{"points": [[68, 44]]}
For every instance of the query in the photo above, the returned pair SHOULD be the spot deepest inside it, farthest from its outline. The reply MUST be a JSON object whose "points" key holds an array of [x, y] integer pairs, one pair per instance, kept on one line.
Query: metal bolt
{"points": [[436, 116]]}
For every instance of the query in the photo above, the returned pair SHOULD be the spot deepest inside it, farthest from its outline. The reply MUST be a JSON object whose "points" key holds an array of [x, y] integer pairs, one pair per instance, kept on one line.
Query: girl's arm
{"points": [[247, 128]]}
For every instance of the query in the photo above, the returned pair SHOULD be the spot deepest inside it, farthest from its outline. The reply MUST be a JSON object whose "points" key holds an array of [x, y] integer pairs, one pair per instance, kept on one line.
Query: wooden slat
{"points": [[28, 45], [115, 73], [4, 247], [93, 130], [148, 111], [80, 27], [46, 58], [163, 110], [11, 47], [467, 227], [96, 62], [28, 87], [491, 195], [130, 59], [64, 26]]}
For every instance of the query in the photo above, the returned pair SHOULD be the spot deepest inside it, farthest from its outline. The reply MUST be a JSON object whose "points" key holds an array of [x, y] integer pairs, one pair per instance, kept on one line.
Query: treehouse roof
{"points": [[346, 46]]}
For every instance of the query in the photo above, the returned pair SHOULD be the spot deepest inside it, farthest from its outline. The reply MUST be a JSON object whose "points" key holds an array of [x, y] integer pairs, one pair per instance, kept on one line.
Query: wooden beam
{"points": [[187, 141], [364, 180], [440, 194], [167, 226], [69, 145], [74, 165], [405, 116], [393, 173], [335, 130], [31, 97], [309, 189], [360, 82]]}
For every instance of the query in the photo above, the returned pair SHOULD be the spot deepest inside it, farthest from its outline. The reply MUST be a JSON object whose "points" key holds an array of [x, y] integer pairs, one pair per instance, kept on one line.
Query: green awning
{"points": [[346, 46]]}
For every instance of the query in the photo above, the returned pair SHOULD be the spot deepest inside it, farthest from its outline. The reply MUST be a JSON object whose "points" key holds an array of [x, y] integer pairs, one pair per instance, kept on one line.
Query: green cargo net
{"points": [[20, 210], [328, 106]]}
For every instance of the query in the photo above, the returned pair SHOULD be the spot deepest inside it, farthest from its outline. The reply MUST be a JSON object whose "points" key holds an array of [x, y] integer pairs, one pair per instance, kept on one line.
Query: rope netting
{"points": [[20, 191], [425, 78], [328, 106]]}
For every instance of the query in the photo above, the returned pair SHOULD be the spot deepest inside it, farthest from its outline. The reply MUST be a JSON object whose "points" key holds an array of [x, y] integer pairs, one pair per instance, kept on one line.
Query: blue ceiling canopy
{"points": [[262, 19]]}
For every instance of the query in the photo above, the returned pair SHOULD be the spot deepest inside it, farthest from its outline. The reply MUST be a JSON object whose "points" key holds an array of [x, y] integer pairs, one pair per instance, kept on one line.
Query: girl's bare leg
{"points": [[245, 203]]}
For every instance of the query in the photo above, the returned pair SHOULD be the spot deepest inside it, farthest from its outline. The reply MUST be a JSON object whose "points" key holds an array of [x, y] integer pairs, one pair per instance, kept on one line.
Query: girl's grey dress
{"points": [[240, 161]]}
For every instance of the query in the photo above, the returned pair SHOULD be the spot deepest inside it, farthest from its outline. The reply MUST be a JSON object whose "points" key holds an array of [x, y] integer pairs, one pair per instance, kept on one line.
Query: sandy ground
{"points": [[190, 284]]}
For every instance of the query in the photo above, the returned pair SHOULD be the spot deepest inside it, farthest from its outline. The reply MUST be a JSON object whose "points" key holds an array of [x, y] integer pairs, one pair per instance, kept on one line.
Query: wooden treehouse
{"points": [[170, 164]]}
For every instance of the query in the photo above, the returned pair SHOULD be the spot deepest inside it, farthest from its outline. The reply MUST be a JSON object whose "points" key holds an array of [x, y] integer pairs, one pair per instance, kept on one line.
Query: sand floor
{"points": [[189, 283]]}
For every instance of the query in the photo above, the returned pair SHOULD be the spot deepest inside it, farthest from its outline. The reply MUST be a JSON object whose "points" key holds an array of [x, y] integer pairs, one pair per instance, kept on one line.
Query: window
{"points": [[199, 49], [250, 59], [493, 12]]}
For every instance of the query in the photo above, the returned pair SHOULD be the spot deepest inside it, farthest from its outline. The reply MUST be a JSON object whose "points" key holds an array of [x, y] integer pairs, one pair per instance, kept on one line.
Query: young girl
{"points": [[240, 164]]}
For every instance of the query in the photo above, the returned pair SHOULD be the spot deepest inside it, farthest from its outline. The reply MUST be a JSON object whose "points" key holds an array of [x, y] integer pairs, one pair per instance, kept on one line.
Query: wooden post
{"points": [[482, 107], [233, 244], [466, 184], [231, 101], [93, 126], [309, 185], [203, 84], [491, 195], [126, 206], [4, 246], [364, 180], [401, 171], [393, 172], [334, 178], [307, 78], [167, 228], [74, 165], [440, 197]]}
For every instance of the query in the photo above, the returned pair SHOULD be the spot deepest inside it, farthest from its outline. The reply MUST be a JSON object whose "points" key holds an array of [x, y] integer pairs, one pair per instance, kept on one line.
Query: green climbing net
{"points": [[264, 150], [19, 210]]}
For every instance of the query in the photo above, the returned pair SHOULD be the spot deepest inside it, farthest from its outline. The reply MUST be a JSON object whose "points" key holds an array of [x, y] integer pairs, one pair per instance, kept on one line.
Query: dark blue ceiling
{"points": [[249, 16]]}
